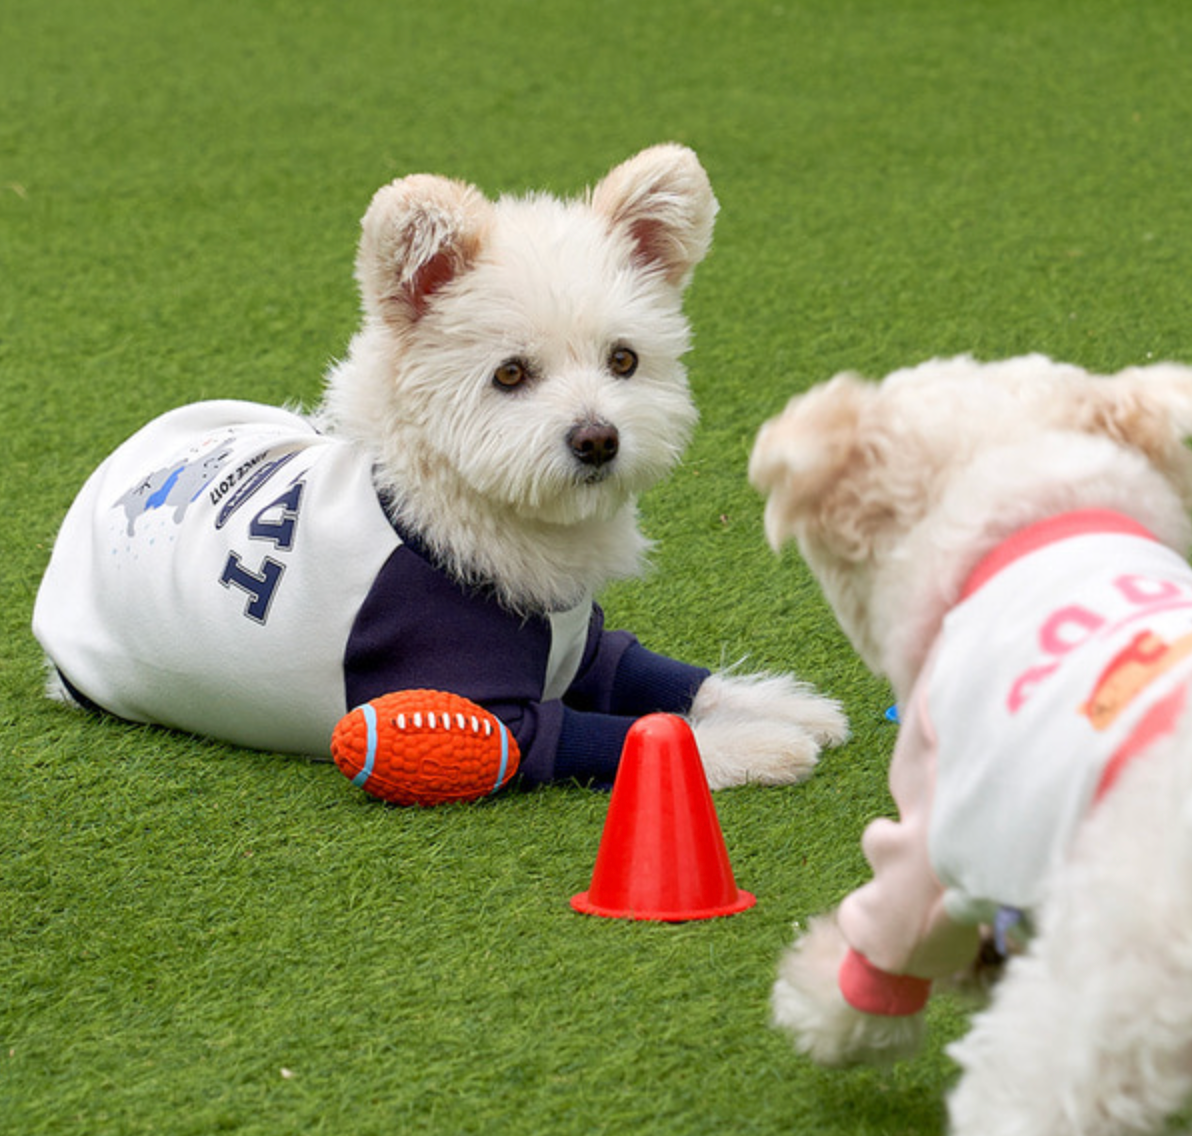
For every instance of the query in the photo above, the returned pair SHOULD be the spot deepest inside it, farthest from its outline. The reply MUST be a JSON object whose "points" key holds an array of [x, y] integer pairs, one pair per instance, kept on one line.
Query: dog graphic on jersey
{"points": [[176, 484]]}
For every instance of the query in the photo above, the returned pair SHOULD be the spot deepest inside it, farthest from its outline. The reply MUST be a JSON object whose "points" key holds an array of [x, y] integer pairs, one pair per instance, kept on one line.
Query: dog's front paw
{"points": [[767, 729], [806, 1003]]}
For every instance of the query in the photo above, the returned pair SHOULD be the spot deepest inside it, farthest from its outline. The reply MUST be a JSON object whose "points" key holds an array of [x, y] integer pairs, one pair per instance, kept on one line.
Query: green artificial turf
{"points": [[197, 939]]}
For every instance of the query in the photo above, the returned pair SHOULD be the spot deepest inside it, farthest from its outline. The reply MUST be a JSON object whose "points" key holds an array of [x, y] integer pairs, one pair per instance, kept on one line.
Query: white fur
{"points": [[453, 286], [1091, 1029], [807, 1003], [484, 475], [765, 729], [894, 492]]}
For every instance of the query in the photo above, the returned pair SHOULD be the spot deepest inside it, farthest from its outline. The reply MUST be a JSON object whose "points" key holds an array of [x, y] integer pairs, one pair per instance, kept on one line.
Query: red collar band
{"points": [[1084, 522]]}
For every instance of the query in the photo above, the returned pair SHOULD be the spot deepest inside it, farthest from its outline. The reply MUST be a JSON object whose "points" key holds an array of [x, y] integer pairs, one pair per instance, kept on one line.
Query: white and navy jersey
{"points": [[231, 572]]}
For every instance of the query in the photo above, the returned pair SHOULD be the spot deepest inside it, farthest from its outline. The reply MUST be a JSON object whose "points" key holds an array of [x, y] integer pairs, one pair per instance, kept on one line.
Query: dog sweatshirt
{"points": [[230, 571], [1069, 653]]}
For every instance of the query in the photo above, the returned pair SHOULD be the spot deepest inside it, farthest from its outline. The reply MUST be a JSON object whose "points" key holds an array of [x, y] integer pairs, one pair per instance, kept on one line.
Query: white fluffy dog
{"points": [[1006, 542], [446, 516]]}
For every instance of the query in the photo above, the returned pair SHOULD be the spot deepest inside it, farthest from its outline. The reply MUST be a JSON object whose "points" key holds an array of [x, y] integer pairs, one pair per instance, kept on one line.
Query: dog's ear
{"points": [[419, 233], [804, 452], [663, 200], [1148, 409]]}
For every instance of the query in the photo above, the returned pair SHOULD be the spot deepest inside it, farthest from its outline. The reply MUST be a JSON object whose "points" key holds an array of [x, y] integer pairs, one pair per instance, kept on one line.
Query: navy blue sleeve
{"points": [[589, 747], [419, 628], [619, 676], [618, 682], [648, 683]]}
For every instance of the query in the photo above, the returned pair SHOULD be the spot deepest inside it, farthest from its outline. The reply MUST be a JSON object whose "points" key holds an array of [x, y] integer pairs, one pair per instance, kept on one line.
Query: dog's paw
{"points": [[767, 729], [807, 1004]]}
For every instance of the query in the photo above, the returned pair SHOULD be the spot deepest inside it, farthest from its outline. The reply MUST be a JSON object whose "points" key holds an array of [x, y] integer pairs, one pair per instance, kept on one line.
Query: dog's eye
{"points": [[622, 362], [511, 374]]}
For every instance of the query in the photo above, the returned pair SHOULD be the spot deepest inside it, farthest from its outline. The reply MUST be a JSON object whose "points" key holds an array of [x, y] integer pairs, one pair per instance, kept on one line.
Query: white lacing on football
{"points": [[443, 721]]}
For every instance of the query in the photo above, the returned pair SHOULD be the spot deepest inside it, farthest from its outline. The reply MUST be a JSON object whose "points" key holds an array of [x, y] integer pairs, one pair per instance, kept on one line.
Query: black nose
{"points": [[594, 443]]}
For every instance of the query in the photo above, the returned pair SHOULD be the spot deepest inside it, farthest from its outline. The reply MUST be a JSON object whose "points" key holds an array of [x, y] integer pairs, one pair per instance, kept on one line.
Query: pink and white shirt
{"points": [[1070, 651]]}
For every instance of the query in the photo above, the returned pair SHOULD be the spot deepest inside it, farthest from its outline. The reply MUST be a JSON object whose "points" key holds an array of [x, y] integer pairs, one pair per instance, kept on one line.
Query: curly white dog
{"points": [[1006, 542]]}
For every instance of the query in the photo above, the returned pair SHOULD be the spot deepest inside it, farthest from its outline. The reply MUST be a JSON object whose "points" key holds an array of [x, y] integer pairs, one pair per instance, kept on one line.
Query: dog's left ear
{"points": [[663, 200]]}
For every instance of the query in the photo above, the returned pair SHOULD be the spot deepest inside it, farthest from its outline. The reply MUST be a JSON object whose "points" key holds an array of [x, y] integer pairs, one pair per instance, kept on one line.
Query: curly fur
{"points": [[894, 492], [1090, 1031], [807, 1003]]}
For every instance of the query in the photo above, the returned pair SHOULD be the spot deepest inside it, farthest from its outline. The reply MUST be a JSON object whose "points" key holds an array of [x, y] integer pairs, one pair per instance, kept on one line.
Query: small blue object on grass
{"points": [[892, 714]]}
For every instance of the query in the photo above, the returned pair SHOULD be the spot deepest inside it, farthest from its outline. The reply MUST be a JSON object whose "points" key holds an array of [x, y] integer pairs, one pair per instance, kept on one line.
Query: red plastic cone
{"points": [[662, 855]]}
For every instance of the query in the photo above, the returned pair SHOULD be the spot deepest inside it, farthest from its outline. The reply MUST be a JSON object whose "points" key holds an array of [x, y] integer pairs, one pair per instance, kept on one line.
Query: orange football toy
{"points": [[424, 747]]}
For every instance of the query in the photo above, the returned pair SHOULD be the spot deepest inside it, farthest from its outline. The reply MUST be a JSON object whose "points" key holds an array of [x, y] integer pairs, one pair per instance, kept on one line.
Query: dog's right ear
{"points": [[419, 233], [800, 455], [1148, 408]]}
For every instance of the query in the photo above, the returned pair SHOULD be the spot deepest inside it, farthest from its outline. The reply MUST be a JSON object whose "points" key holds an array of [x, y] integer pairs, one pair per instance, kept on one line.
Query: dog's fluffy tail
{"points": [[55, 685]]}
